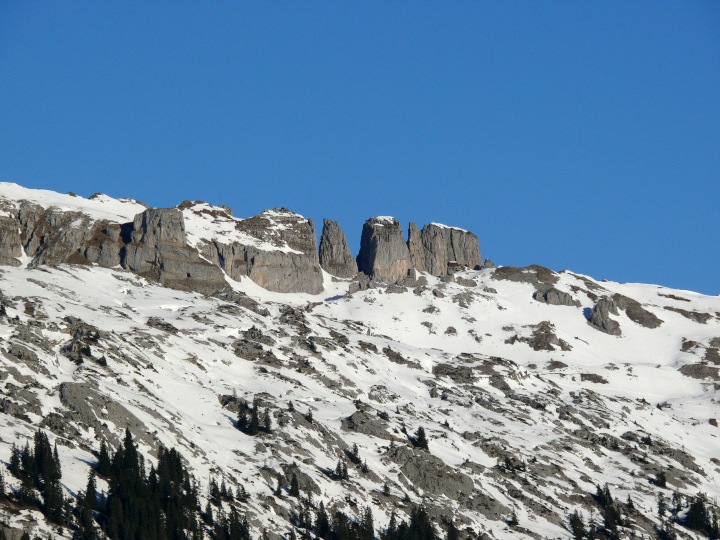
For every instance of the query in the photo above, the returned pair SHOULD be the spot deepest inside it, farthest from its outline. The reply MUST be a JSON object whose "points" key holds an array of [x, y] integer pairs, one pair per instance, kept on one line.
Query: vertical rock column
{"points": [[335, 255], [383, 252]]}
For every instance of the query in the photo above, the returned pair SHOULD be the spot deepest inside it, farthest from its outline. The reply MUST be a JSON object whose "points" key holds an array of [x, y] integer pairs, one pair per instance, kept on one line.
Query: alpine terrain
{"points": [[183, 373]]}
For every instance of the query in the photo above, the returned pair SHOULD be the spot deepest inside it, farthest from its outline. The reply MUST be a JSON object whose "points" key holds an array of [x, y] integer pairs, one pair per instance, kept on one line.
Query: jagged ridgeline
{"points": [[184, 374], [195, 245]]}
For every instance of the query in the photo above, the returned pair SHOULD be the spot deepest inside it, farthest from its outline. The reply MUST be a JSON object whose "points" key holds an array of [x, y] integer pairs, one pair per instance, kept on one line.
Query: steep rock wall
{"points": [[383, 252], [335, 255]]}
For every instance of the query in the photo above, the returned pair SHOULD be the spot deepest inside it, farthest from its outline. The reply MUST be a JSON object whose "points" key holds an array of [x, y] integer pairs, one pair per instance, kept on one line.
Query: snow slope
{"points": [[534, 431]]}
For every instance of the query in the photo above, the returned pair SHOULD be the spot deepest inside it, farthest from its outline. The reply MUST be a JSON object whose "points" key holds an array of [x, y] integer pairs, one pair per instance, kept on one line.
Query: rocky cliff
{"points": [[158, 250], [444, 245], [276, 249], [383, 252], [335, 255], [196, 245], [438, 250]]}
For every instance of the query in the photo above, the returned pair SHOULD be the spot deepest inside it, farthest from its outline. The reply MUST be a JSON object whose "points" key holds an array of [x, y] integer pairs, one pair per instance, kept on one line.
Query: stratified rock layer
{"points": [[335, 255]]}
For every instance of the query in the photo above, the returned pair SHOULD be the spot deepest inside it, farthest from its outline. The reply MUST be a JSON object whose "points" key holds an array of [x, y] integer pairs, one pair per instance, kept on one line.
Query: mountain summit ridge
{"points": [[277, 248]]}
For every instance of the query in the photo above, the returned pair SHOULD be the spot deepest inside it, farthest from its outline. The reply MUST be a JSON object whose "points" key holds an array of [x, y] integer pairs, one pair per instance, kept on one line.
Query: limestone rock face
{"points": [[415, 247], [277, 249], [158, 251], [430, 473], [636, 312], [383, 252], [10, 242], [159, 226], [555, 297], [335, 255], [444, 245], [600, 316]]}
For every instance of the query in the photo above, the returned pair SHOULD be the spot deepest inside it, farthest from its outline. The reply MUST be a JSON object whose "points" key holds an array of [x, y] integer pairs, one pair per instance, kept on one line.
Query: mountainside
{"points": [[541, 394]]}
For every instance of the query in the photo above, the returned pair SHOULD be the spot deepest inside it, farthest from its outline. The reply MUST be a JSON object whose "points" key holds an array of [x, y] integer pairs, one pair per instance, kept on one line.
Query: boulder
{"points": [[555, 297], [383, 252], [335, 255], [446, 247], [600, 316]]}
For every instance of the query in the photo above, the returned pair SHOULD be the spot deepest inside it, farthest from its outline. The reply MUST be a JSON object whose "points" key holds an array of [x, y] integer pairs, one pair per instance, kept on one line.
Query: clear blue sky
{"points": [[580, 135]]}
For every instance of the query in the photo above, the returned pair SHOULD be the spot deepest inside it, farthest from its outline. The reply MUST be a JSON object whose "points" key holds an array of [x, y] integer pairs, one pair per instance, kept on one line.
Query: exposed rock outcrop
{"points": [[430, 474], [540, 277], [555, 297], [437, 249], [600, 316], [335, 255], [445, 245], [383, 252], [636, 312], [415, 247], [10, 242], [158, 250], [277, 249]]}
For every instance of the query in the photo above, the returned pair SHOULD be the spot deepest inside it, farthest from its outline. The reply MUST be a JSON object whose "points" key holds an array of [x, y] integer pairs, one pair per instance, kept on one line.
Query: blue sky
{"points": [[580, 135]]}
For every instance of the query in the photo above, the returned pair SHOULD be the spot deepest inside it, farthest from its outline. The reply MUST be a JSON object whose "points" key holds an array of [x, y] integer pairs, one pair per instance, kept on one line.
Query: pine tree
{"points": [[103, 464], [15, 460], [208, 515], [367, 525], [267, 421], [421, 439], [243, 423], [294, 486], [87, 504], [341, 470], [452, 531], [254, 427], [577, 527], [322, 523]]}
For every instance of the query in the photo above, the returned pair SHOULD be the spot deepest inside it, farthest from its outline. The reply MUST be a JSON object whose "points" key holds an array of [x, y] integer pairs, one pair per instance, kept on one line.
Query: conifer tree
{"points": [[267, 421], [254, 427], [452, 531], [421, 439], [294, 486], [577, 527], [103, 465], [322, 522]]}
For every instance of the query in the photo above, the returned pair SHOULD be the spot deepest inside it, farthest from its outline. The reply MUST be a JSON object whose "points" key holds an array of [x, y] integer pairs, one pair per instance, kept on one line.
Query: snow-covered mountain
{"points": [[533, 387]]}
